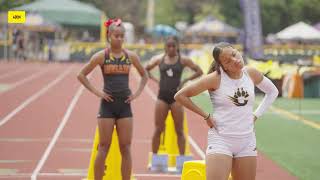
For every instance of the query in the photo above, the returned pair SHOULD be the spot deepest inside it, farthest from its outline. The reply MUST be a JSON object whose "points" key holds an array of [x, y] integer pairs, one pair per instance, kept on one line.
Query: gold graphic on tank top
{"points": [[240, 97], [117, 65], [116, 68]]}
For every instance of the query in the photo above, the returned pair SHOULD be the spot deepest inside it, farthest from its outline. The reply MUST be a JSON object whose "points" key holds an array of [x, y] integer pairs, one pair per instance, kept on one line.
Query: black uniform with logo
{"points": [[170, 78], [116, 83]]}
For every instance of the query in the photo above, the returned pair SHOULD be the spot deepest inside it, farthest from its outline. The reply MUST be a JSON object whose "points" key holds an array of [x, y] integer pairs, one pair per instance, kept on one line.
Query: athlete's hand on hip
{"points": [[211, 123], [131, 97], [105, 96], [254, 118]]}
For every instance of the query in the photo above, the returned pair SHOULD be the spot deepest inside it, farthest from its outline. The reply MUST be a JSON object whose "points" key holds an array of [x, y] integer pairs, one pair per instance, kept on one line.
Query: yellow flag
{"points": [[16, 16]]}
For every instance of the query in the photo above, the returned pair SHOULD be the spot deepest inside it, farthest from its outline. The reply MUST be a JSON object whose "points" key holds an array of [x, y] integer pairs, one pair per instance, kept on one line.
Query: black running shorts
{"points": [[167, 96], [116, 109]]}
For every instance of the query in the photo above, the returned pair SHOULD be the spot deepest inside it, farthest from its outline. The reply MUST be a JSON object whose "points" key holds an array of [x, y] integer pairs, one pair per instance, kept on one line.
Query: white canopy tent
{"points": [[212, 27], [299, 31]]}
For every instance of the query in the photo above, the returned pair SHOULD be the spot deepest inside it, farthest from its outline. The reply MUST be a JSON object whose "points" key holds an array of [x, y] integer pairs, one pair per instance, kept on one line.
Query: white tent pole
{"points": [[150, 15]]}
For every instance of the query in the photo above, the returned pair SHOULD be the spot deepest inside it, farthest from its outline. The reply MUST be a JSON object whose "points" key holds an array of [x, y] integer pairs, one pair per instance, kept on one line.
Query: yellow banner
{"points": [[16, 16]]}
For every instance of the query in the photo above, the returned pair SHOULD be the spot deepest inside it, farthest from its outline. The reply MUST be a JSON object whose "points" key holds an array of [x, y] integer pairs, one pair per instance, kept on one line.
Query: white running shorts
{"points": [[231, 146]]}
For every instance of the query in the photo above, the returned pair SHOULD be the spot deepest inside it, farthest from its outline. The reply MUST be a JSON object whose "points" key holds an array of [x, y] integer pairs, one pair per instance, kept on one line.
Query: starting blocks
{"points": [[169, 149]]}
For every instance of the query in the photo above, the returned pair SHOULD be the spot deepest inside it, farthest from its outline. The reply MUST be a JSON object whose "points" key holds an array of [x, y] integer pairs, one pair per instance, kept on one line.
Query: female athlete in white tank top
{"points": [[231, 138], [233, 105]]}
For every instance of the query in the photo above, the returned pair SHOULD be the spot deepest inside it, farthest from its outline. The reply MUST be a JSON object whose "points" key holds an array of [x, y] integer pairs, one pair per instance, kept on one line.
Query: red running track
{"points": [[47, 124]]}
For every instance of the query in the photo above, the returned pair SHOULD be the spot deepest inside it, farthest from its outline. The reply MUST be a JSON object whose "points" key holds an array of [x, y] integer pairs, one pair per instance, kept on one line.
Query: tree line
{"points": [[275, 14]]}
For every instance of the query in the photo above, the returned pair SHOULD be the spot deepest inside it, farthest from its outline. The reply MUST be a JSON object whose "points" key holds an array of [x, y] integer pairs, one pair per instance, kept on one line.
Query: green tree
{"points": [[164, 12], [6, 5], [277, 15], [190, 9], [210, 9], [311, 11], [231, 10]]}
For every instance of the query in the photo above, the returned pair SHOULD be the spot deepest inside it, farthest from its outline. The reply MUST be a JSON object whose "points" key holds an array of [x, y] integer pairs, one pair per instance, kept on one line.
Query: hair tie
{"points": [[110, 21]]}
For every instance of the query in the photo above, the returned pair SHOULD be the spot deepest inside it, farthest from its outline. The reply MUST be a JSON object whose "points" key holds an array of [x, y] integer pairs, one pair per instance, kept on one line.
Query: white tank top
{"points": [[233, 105]]}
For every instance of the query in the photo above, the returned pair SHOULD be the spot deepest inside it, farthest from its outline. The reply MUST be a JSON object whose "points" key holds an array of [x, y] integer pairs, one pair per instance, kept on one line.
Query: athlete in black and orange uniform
{"points": [[115, 109], [171, 65], [116, 78]]}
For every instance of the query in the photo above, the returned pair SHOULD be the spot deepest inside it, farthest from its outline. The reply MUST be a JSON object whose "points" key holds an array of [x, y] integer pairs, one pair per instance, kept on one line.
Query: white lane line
{"points": [[292, 116], [33, 97], [4, 87], [57, 133], [82, 174], [23, 140], [196, 147], [8, 171], [64, 174], [305, 111], [191, 140], [295, 117], [25, 80], [64, 140], [9, 161], [302, 112], [16, 71], [150, 92], [80, 150], [158, 175]]}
